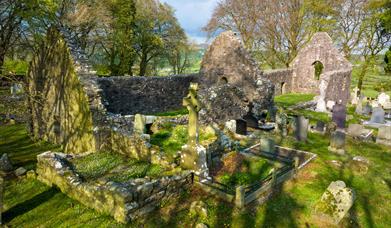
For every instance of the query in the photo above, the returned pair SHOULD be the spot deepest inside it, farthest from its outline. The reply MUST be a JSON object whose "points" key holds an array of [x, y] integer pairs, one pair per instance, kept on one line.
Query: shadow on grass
{"points": [[15, 141], [29, 205]]}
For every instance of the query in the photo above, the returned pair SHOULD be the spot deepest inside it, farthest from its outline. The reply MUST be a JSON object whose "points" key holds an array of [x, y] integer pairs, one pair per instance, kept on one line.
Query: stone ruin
{"points": [[334, 74], [85, 112]]}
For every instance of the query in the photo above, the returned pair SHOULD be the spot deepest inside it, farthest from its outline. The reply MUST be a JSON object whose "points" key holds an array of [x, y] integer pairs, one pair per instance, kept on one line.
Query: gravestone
{"points": [[336, 201], [301, 128], [377, 116], [330, 105], [139, 124], [282, 122], [250, 119], [193, 155], [5, 163], [337, 142], [384, 136], [321, 103], [320, 126], [16, 89], [241, 127], [355, 98], [339, 115], [267, 145], [231, 125], [383, 99], [355, 130]]}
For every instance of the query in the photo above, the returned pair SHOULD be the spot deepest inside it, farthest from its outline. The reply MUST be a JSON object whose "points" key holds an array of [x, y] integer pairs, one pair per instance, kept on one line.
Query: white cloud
{"points": [[193, 15]]}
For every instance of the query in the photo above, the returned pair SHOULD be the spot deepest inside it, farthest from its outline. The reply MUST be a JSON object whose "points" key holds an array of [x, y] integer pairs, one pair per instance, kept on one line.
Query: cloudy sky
{"points": [[193, 15]]}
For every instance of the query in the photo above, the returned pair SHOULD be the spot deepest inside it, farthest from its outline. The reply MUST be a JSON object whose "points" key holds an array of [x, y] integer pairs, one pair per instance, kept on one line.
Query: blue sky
{"points": [[193, 15]]}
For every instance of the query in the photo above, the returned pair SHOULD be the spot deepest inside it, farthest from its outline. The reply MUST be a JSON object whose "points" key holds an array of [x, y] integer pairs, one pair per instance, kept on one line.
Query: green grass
{"points": [[114, 167], [171, 139], [22, 150], [96, 164], [372, 81], [251, 171], [180, 112], [287, 100]]}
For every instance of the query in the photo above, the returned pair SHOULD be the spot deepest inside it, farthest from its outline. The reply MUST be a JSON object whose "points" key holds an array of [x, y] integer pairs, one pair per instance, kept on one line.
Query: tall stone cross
{"points": [[192, 104]]}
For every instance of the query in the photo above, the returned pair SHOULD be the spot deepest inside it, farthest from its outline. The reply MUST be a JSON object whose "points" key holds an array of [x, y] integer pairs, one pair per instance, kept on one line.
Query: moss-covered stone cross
{"points": [[192, 104]]}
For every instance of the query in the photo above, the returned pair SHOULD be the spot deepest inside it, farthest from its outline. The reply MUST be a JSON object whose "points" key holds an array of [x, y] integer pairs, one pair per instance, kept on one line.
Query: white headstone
{"points": [[321, 103], [355, 98], [383, 99], [330, 105]]}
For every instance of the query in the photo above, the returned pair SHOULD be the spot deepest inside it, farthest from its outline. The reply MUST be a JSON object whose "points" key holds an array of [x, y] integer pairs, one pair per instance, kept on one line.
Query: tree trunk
{"points": [[362, 75], [143, 65]]}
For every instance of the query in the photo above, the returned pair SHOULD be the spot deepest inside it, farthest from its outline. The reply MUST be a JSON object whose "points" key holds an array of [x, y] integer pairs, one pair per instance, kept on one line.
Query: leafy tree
{"points": [[387, 61]]}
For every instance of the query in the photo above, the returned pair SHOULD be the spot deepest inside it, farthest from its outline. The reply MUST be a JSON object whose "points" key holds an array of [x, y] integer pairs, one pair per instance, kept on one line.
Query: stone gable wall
{"points": [[320, 48]]}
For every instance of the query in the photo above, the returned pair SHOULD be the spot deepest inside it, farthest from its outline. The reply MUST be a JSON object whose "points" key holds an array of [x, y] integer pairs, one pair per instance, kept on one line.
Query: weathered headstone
{"points": [[282, 122], [5, 163], [241, 127], [231, 125], [193, 155], [377, 116], [139, 124], [267, 145], [336, 201], [383, 99], [16, 89], [355, 130], [320, 126], [337, 142], [339, 115], [355, 98], [384, 136], [250, 119], [321, 103], [301, 128], [330, 105]]}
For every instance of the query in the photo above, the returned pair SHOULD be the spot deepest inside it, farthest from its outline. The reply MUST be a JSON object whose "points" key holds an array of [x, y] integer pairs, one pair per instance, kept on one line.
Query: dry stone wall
{"points": [[124, 201], [144, 95]]}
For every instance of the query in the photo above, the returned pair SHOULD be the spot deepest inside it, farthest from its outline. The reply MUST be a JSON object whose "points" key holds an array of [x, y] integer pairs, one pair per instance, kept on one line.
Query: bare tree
{"points": [[350, 16]]}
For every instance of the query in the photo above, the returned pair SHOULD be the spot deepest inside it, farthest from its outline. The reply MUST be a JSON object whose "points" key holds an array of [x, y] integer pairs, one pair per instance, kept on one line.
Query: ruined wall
{"points": [[321, 49], [124, 201], [58, 106], [338, 85], [229, 73], [281, 78], [144, 95]]}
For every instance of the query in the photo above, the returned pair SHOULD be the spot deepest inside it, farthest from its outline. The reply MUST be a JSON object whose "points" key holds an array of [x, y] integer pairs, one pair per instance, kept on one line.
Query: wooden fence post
{"points": [[296, 163], [239, 197], [273, 172]]}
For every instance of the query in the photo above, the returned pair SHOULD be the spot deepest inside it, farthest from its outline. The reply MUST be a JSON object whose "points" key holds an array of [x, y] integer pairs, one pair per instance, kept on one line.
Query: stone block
{"points": [[336, 201]]}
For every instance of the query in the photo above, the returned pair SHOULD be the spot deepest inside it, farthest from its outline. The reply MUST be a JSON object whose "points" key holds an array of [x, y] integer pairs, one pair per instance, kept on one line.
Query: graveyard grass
{"points": [[29, 203]]}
